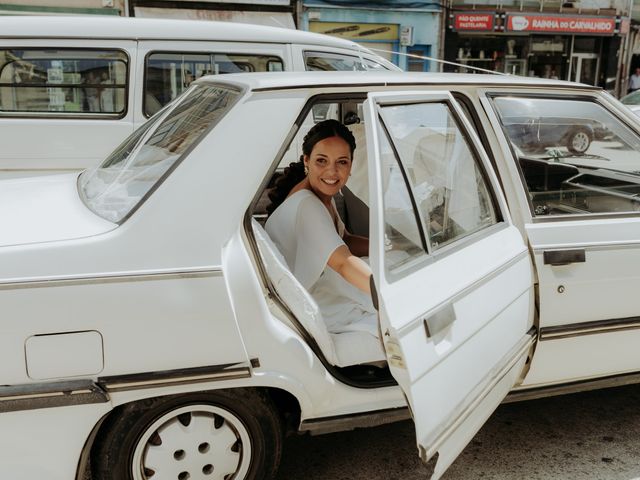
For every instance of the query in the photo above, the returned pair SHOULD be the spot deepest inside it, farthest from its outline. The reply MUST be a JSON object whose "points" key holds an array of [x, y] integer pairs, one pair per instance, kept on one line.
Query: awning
{"points": [[273, 19]]}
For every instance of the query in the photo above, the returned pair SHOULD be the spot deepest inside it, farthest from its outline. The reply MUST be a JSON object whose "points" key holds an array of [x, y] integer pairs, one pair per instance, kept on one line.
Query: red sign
{"points": [[477, 22], [542, 23]]}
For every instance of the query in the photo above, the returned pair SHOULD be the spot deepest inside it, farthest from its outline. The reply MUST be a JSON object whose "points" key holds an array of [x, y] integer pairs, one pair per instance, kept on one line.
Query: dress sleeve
{"points": [[316, 240]]}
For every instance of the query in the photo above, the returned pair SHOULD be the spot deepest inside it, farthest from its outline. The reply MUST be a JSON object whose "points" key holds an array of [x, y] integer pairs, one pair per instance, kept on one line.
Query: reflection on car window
{"points": [[167, 75], [576, 157], [449, 188], [63, 81], [403, 242], [114, 188], [323, 61]]}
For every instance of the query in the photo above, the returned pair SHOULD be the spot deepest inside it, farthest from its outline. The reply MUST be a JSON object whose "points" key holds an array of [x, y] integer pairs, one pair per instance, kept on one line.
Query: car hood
{"points": [[45, 209]]}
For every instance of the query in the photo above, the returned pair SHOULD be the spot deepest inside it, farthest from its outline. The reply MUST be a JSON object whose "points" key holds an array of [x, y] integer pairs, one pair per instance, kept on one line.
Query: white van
{"points": [[72, 88]]}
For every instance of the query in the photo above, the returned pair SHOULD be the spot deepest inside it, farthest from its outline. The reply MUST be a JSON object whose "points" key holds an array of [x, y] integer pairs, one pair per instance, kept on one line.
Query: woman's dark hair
{"points": [[294, 173]]}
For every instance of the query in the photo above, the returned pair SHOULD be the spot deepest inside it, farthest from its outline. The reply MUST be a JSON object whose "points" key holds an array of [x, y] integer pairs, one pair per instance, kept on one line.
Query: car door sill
{"points": [[340, 423], [611, 381]]}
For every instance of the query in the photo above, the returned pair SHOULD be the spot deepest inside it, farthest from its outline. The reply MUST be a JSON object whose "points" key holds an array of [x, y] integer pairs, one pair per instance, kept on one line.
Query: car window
{"points": [[631, 99], [576, 157], [325, 61], [403, 236], [63, 81], [168, 74], [447, 184], [116, 187]]}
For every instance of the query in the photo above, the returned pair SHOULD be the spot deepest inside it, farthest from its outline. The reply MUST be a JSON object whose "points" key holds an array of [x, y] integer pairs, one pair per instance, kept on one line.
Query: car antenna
{"points": [[437, 60]]}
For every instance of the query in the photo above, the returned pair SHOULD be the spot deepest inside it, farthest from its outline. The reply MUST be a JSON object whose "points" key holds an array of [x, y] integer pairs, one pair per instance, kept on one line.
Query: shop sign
{"points": [[357, 31], [473, 22], [572, 24]]}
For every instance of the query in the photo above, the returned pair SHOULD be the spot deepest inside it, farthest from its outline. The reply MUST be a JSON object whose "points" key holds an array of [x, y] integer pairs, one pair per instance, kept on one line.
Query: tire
{"points": [[222, 434], [579, 140]]}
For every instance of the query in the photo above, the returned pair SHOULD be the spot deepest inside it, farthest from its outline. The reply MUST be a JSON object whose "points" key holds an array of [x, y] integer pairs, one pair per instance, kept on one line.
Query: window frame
{"points": [[362, 57], [491, 186], [73, 115], [190, 52], [487, 99]]}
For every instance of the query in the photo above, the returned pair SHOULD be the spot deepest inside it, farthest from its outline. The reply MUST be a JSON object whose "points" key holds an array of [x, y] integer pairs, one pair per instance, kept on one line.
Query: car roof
{"points": [[158, 29], [297, 80]]}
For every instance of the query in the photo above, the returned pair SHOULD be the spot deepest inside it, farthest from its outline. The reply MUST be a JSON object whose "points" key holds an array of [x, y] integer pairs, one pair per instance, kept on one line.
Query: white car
{"points": [[152, 330], [81, 85]]}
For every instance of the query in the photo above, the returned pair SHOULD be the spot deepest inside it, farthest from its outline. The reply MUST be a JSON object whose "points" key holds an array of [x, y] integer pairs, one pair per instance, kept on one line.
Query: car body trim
{"points": [[525, 393], [38, 282], [33, 396], [340, 423], [181, 376], [590, 247], [426, 82], [557, 332]]}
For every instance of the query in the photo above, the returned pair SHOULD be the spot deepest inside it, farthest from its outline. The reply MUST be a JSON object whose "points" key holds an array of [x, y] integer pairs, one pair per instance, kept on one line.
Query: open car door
{"points": [[452, 275]]}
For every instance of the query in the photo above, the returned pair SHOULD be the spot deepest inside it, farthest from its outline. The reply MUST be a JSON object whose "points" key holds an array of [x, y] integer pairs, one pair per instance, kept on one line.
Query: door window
{"points": [[575, 156], [63, 81], [167, 75], [448, 187], [403, 237]]}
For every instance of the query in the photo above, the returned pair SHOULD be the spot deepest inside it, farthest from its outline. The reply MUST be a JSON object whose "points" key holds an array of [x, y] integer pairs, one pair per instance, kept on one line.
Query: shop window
{"points": [[63, 81], [416, 61], [167, 75]]}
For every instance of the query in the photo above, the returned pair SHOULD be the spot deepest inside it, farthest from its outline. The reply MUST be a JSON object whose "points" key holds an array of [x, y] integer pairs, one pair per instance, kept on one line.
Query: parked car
{"points": [[632, 100], [540, 124], [81, 85], [151, 328]]}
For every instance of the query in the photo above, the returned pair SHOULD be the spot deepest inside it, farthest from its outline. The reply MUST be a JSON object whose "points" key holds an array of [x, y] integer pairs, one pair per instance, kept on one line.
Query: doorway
{"points": [[584, 67]]}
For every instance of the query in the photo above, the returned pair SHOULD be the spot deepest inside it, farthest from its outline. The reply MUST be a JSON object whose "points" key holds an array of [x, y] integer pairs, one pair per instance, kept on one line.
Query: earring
{"points": [[306, 170]]}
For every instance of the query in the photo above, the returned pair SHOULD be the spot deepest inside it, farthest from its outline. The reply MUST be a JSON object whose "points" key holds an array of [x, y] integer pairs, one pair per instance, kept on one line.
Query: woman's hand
{"points": [[353, 269]]}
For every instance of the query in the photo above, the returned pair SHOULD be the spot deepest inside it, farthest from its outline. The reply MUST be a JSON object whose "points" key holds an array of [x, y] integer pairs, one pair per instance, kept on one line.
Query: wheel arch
{"points": [[286, 404]]}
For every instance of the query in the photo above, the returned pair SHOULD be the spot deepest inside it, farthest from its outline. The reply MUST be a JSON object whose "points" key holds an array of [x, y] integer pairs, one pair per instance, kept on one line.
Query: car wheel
{"points": [[579, 141], [226, 434]]}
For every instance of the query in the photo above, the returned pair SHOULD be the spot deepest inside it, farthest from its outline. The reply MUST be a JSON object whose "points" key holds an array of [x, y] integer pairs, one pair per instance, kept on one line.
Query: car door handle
{"points": [[563, 257], [438, 321]]}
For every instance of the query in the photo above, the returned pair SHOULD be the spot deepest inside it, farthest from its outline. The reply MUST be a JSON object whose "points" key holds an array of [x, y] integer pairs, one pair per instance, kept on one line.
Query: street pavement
{"points": [[591, 435]]}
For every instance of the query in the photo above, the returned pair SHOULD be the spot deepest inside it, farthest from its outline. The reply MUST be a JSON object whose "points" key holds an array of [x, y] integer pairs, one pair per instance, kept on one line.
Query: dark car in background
{"points": [[535, 126]]}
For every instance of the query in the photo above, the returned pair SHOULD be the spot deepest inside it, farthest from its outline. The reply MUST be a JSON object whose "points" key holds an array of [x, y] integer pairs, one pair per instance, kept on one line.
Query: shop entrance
{"points": [[584, 68]]}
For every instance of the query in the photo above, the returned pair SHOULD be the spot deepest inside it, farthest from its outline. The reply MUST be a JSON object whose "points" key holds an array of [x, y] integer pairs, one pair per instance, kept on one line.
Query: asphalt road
{"points": [[592, 435]]}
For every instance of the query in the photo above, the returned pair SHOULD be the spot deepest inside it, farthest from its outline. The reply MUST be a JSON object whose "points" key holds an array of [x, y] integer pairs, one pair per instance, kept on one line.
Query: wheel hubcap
{"points": [[580, 141], [196, 442]]}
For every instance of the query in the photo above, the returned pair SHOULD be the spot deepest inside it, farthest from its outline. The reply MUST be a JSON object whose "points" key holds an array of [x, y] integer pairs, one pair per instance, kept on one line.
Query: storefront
{"points": [[404, 32], [581, 48]]}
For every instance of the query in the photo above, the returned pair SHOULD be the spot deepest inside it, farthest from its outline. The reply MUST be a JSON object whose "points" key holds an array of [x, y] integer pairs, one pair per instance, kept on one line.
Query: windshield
{"points": [[116, 187]]}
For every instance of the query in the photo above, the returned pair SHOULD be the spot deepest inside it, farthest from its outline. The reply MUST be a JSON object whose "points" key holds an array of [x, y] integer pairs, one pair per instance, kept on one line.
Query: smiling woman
{"points": [[309, 233]]}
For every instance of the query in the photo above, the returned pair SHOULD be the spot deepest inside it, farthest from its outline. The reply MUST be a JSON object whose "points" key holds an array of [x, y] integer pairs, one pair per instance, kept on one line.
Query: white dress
{"points": [[302, 229]]}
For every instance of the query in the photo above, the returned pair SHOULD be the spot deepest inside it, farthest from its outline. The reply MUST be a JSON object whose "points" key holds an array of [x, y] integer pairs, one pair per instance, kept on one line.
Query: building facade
{"points": [[408, 33], [569, 41]]}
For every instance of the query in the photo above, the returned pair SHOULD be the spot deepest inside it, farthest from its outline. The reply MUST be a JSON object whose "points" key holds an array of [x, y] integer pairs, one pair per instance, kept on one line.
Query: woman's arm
{"points": [[353, 269], [358, 245]]}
